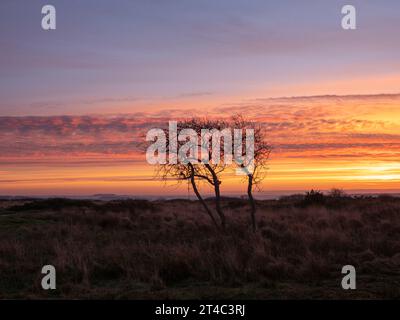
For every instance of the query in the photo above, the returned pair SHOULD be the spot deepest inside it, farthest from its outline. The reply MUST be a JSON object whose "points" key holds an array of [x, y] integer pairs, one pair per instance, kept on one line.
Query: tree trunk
{"points": [[252, 202], [196, 191], [217, 196]]}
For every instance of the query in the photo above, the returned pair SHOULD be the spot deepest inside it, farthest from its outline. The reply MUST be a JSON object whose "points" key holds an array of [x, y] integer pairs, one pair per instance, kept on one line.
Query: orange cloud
{"points": [[318, 142]]}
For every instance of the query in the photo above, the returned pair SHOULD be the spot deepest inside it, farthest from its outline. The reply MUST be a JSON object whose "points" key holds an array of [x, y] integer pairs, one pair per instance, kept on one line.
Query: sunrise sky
{"points": [[75, 101]]}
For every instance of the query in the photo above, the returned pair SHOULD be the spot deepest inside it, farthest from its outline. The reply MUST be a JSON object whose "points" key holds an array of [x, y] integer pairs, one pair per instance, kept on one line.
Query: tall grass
{"points": [[142, 249]]}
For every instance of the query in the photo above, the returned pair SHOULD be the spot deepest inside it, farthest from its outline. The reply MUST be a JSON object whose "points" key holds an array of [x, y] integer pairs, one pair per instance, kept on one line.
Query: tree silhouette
{"points": [[198, 162], [254, 168], [195, 169]]}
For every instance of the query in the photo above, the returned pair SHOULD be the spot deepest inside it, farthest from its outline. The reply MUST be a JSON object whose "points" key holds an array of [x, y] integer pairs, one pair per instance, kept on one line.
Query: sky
{"points": [[75, 100]]}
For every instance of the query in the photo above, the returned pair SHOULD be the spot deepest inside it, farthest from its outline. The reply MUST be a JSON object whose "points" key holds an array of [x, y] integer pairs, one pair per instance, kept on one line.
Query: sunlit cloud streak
{"points": [[316, 141]]}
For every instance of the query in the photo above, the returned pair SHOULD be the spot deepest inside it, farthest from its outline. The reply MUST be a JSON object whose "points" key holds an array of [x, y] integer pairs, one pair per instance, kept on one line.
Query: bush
{"points": [[313, 198]]}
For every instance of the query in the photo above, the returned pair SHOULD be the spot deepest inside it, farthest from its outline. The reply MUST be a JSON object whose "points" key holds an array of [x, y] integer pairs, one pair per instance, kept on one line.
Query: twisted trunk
{"points": [[198, 195], [218, 207]]}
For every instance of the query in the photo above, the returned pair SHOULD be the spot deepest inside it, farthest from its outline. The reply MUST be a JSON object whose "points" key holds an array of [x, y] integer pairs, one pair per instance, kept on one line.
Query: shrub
{"points": [[313, 198]]}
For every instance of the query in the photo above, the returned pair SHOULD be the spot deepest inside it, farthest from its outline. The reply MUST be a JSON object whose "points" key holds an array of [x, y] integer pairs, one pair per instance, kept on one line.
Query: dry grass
{"points": [[138, 249]]}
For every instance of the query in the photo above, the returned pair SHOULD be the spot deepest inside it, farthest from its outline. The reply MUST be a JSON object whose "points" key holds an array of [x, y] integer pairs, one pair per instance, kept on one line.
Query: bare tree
{"points": [[254, 167], [196, 170], [213, 169], [208, 165]]}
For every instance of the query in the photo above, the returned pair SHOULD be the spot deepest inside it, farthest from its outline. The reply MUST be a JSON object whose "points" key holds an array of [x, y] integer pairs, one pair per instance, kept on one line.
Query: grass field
{"points": [[136, 249]]}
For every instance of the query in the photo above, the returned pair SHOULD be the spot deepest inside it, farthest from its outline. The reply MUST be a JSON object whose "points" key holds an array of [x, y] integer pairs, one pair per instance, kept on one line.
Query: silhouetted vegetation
{"points": [[195, 169], [52, 204], [165, 249], [57, 204], [313, 198]]}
